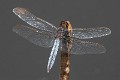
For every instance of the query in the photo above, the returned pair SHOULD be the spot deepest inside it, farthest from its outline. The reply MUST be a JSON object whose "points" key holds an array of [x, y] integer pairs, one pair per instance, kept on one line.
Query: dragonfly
{"points": [[45, 34]]}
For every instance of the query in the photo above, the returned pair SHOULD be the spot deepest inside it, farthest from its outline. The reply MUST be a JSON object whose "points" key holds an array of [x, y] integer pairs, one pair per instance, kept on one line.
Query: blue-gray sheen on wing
{"points": [[33, 20], [87, 33], [83, 47], [36, 36], [53, 54]]}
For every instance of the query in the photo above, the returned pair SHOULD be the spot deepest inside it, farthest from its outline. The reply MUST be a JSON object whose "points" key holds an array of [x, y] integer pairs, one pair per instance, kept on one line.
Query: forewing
{"points": [[38, 37], [83, 47], [53, 55], [87, 33], [33, 20]]}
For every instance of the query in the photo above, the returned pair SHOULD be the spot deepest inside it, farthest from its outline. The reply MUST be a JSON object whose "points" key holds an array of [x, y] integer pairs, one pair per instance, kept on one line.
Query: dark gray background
{"points": [[22, 60]]}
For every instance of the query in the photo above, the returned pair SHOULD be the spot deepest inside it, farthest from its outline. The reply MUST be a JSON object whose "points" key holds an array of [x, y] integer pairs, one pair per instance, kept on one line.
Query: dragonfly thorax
{"points": [[64, 30]]}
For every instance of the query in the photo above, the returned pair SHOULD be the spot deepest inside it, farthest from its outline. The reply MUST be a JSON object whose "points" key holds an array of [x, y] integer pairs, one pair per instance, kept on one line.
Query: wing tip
{"points": [[15, 9], [48, 69], [108, 30], [19, 10]]}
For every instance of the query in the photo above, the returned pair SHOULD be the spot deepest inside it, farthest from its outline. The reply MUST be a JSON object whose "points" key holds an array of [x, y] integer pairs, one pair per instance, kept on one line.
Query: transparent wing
{"points": [[87, 33], [33, 20], [53, 55], [38, 37], [83, 47]]}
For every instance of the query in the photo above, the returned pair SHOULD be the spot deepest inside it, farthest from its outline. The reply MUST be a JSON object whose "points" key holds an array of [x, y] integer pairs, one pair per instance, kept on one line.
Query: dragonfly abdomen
{"points": [[65, 55], [65, 66]]}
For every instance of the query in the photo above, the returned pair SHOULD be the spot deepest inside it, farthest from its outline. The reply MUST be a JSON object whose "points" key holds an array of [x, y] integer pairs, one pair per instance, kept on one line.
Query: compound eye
{"points": [[62, 22], [67, 25]]}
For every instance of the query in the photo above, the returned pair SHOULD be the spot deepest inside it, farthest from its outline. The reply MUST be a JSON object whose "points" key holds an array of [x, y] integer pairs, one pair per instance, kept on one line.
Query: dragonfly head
{"points": [[66, 25]]}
